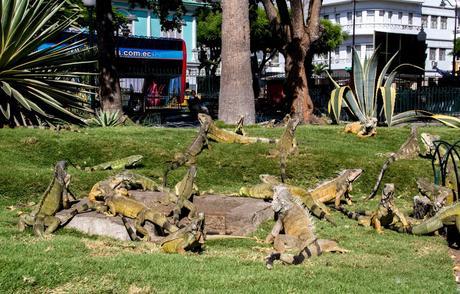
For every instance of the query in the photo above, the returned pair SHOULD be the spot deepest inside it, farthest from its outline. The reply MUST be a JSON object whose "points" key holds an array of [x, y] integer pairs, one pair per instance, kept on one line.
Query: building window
{"points": [[370, 15], [381, 12], [400, 15], [369, 50], [434, 22], [442, 54], [432, 53], [326, 16], [175, 34], [443, 22], [425, 21], [350, 17], [348, 52], [337, 52], [337, 18], [359, 16], [411, 18], [390, 15], [358, 50]]}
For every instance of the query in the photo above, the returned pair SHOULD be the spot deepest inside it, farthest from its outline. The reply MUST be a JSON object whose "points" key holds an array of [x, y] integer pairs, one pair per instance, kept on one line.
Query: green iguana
{"points": [[56, 197], [183, 192], [335, 189], [431, 199], [449, 217], [188, 238], [299, 236], [362, 130], [386, 215], [408, 150], [119, 184], [223, 136], [265, 191], [188, 157], [127, 162], [286, 145], [131, 208]]}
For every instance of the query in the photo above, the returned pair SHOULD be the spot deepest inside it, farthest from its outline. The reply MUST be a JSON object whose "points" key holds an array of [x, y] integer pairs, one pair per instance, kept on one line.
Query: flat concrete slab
{"points": [[237, 216]]}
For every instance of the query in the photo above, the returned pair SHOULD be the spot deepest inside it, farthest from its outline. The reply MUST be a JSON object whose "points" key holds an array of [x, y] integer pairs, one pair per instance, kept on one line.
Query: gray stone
{"points": [[238, 216]]}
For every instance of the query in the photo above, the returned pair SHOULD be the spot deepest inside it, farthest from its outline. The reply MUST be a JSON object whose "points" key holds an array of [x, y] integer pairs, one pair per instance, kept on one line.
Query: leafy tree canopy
{"points": [[331, 36]]}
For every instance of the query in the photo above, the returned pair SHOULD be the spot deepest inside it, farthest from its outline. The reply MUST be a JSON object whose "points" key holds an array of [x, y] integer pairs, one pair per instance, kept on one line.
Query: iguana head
{"points": [[133, 160], [281, 199], [387, 194], [428, 142], [369, 125], [293, 122], [205, 120], [353, 174], [60, 171]]}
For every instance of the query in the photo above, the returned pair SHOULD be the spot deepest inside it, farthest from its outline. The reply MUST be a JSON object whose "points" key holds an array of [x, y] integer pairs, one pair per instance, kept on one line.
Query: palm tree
{"points": [[236, 95], [38, 84]]}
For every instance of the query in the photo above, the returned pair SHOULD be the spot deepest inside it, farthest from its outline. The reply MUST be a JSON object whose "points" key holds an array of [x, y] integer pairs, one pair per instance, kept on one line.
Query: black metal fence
{"points": [[445, 100]]}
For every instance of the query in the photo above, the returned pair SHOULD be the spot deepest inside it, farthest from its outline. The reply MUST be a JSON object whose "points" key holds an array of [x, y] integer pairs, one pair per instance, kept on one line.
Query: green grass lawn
{"points": [[75, 263]]}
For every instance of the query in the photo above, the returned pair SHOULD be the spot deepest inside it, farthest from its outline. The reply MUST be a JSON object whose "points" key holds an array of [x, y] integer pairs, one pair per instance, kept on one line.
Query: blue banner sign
{"points": [[149, 53]]}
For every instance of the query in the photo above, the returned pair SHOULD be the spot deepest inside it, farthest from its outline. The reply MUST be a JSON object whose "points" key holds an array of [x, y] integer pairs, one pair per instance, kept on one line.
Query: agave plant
{"points": [[38, 85], [105, 119], [414, 115], [362, 102]]}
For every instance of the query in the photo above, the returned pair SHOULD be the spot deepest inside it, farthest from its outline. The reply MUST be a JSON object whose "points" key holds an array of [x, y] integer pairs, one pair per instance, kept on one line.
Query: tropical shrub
{"points": [[38, 86], [362, 101], [105, 119]]}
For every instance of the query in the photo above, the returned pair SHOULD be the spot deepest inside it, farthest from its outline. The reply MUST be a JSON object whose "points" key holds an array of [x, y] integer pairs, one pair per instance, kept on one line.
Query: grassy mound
{"points": [[72, 262]]}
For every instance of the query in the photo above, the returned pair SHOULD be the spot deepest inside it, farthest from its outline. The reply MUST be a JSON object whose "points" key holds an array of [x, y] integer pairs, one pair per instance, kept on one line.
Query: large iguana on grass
{"points": [[299, 236], [56, 197], [265, 191], [188, 157], [447, 216], [286, 145], [122, 163], [134, 209], [223, 136], [367, 129], [335, 189], [188, 238], [408, 150], [387, 215]]}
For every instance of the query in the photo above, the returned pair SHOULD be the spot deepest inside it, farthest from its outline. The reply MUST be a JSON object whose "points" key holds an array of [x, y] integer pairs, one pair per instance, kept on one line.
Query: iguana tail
{"points": [[130, 229], [385, 166], [262, 140], [179, 160], [320, 213], [315, 248], [351, 214], [283, 160]]}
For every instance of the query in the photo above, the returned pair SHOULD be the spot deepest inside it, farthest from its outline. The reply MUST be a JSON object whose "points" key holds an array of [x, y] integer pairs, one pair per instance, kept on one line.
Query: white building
{"points": [[376, 19]]}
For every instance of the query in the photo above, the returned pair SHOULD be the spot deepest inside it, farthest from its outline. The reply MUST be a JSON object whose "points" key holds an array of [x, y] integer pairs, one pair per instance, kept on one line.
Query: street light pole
{"points": [[455, 39], [90, 4], [443, 5], [353, 38]]}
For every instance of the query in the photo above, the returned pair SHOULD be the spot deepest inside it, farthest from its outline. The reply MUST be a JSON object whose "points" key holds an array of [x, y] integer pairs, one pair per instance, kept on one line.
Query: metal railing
{"points": [[433, 99]]}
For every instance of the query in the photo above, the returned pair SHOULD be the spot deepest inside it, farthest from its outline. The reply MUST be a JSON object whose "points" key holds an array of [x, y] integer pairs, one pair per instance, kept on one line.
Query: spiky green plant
{"points": [[414, 115], [362, 101], [38, 86], [105, 119]]}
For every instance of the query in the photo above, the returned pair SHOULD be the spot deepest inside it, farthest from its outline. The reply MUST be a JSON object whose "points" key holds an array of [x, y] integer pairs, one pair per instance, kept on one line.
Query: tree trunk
{"points": [[296, 83], [236, 95], [110, 93]]}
